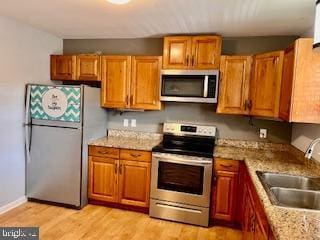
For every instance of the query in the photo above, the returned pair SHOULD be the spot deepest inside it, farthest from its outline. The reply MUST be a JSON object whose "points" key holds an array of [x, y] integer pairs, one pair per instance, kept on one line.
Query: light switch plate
{"points": [[125, 122], [133, 122]]}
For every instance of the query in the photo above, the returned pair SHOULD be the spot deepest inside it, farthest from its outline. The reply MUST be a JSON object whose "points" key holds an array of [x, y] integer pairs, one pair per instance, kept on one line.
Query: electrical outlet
{"points": [[133, 122], [125, 122], [263, 133]]}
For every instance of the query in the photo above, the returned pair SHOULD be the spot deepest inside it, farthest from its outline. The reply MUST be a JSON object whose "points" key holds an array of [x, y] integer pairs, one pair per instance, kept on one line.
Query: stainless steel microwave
{"points": [[189, 86]]}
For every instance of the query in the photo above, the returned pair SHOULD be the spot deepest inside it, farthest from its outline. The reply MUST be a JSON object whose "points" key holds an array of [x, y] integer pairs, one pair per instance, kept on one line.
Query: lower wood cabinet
{"points": [[235, 200], [103, 179], [226, 190], [134, 181], [115, 180]]}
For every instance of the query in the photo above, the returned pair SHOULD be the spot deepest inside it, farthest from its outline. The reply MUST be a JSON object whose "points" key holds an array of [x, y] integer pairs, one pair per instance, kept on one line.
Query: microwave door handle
{"points": [[206, 83]]}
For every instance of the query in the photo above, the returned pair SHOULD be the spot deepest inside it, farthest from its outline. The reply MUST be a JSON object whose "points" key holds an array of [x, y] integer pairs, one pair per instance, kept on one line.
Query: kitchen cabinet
{"points": [[191, 52], [134, 183], [145, 83], [300, 91], [88, 67], [234, 85], [131, 82], [226, 189], [119, 176], [249, 217], [103, 179], [62, 67], [115, 73], [266, 84], [83, 67]]}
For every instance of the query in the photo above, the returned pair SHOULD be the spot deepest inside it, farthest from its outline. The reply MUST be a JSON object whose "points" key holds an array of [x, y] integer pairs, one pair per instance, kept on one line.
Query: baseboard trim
{"points": [[12, 205]]}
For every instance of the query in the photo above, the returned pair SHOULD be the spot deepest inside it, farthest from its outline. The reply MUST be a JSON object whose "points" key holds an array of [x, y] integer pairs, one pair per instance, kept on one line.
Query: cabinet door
{"points": [[286, 85], [206, 51], [177, 52], [134, 183], [88, 67], [258, 231], [115, 81], [249, 217], [266, 84], [234, 84], [226, 195], [63, 67], [103, 179], [145, 83]]}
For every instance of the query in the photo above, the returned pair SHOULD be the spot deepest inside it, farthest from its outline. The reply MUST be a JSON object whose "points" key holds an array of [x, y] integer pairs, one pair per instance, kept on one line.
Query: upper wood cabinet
{"points": [[234, 84], [88, 67], [300, 91], [84, 67], [131, 82], [191, 52], [62, 67], [145, 83], [206, 51], [176, 52], [266, 84], [115, 73]]}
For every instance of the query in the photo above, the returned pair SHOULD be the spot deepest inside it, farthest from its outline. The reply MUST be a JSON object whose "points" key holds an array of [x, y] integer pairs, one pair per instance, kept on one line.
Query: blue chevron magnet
{"points": [[55, 103]]}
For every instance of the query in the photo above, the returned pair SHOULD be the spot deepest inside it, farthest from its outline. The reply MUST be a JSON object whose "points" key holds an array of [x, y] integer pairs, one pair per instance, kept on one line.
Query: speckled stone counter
{"points": [[128, 140], [286, 223]]}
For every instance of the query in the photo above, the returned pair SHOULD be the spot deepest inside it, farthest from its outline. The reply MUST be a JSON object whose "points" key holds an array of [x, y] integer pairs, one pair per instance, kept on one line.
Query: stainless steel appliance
{"points": [[181, 173], [59, 122], [189, 86]]}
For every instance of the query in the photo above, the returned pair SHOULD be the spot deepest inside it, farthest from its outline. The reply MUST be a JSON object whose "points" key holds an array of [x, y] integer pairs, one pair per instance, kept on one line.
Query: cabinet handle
{"points": [[192, 60], [135, 155], [103, 152], [187, 60], [131, 100], [116, 169], [127, 100], [226, 166], [120, 169], [252, 227]]}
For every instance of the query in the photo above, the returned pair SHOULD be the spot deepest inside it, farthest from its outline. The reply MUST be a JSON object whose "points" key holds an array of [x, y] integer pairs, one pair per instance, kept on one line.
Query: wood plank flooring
{"points": [[97, 222]]}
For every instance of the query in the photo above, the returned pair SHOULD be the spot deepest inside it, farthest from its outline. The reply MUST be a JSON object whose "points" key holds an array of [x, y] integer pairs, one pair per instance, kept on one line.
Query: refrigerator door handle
{"points": [[27, 125]]}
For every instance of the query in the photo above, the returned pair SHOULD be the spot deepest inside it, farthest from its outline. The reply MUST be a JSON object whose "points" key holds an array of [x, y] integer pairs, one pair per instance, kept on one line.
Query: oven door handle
{"points": [[174, 159]]}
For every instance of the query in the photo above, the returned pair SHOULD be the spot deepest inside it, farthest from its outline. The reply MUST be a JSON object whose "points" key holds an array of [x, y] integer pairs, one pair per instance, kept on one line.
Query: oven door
{"points": [[182, 179]]}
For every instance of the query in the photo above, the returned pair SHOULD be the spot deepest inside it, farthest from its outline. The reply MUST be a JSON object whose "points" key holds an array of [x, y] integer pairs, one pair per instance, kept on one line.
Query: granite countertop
{"points": [[128, 140], [286, 223]]}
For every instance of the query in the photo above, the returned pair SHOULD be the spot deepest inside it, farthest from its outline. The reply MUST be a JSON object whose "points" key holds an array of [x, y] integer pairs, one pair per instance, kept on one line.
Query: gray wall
{"points": [[25, 59], [233, 127]]}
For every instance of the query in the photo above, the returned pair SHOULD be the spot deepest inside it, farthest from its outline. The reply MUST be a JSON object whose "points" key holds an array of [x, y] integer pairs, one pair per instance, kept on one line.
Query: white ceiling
{"points": [[148, 18]]}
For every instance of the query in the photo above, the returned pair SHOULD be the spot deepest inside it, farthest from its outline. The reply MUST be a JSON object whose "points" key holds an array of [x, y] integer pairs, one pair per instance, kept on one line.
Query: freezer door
{"points": [[55, 105], [54, 166]]}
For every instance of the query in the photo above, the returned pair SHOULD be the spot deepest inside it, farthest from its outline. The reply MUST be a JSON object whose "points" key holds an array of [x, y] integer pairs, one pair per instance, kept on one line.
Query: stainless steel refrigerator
{"points": [[59, 122]]}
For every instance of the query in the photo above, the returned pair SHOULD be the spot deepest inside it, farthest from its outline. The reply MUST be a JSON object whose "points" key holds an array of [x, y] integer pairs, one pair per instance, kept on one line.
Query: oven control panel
{"points": [[190, 129]]}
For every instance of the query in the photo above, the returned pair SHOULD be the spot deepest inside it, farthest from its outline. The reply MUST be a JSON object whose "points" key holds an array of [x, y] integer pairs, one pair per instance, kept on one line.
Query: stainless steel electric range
{"points": [[181, 173]]}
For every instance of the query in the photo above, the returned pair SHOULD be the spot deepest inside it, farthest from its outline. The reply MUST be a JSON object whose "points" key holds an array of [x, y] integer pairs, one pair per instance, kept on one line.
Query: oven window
{"points": [[180, 178], [182, 86]]}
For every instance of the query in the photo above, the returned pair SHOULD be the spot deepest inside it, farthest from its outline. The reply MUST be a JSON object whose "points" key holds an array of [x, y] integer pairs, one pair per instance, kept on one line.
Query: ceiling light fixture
{"points": [[118, 1]]}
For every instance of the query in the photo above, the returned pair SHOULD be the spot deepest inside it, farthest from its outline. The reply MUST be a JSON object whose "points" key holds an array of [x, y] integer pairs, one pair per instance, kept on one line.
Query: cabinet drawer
{"points": [[103, 152], [226, 165], [135, 155]]}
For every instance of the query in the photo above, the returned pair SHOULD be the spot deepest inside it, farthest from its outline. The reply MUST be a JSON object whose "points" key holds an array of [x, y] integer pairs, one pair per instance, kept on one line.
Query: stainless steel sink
{"points": [[289, 181], [291, 191], [296, 198]]}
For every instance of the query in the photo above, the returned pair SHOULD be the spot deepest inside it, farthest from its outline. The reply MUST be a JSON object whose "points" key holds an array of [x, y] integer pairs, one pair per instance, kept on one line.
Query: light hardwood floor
{"points": [[96, 222]]}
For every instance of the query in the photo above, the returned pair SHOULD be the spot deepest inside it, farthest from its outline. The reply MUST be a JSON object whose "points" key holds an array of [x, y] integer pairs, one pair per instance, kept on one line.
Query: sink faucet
{"points": [[309, 151]]}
